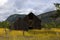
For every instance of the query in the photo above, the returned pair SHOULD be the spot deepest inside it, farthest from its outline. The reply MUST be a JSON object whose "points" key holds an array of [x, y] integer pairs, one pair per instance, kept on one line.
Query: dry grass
{"points": [[52, 34]]}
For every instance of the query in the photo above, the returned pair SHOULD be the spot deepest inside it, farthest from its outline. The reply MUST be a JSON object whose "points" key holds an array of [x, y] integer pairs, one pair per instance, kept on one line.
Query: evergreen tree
{"points": [[57, 5]]}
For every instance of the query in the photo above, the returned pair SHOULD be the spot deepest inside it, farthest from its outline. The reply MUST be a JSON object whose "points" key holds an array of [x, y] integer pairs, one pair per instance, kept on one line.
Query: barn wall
{"points": [[36, 23]]}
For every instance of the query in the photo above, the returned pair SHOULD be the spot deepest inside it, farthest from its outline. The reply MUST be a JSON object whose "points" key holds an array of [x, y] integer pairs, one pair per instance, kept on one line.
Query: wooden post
{"points": [[23, 33]]}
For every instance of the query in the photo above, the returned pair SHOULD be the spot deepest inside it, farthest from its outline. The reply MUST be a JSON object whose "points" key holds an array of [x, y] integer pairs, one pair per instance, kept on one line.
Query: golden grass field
{"points": [[43, 34]]}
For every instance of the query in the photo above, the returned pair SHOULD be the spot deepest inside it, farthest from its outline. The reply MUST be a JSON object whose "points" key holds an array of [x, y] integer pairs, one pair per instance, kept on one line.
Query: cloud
{"points": [[2, 18], [26, 6], [2, 2]]}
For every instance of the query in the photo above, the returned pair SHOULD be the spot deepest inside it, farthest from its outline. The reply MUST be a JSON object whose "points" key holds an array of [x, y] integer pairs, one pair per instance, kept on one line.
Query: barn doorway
{"points": [[30, 27]]}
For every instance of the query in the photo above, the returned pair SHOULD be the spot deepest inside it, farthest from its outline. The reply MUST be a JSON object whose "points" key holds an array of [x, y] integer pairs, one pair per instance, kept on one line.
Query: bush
{"points": [[4, 24]]}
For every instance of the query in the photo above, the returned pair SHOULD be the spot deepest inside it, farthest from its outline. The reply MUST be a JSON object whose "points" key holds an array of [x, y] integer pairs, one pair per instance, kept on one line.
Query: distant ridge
{"points": [[13, 17], [46, 17]]}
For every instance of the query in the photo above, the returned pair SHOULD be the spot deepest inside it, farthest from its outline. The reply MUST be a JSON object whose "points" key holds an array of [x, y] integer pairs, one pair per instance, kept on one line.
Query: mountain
{"points": [[48, 17], [13, 17]]}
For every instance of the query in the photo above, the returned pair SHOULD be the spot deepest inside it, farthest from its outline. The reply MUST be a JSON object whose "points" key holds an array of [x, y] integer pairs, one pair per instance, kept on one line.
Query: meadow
{"points": [[43, 34]]}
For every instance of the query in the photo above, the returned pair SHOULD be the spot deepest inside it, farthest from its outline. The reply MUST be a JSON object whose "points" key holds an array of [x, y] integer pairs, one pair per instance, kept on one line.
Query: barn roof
{"points": [[27, 15]]}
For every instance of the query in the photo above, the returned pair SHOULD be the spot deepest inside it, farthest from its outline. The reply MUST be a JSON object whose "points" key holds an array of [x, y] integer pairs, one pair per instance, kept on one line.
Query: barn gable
{"points": [[32, 21]]}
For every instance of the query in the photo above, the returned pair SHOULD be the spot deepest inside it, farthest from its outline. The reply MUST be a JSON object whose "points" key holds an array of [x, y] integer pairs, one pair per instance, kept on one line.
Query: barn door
{"points": [[30, 24]]}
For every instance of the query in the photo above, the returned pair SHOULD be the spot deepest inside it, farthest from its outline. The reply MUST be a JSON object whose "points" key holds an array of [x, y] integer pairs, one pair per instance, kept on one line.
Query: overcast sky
{"points": [[9, 7]]}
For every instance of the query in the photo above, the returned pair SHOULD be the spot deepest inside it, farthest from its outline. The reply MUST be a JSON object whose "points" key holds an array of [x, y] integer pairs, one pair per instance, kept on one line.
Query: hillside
{"points": [[49, 17], [13, 17]]}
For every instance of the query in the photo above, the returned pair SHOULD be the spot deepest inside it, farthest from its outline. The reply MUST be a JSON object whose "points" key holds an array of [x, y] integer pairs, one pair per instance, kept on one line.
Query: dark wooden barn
{"points": [[30, 21]]}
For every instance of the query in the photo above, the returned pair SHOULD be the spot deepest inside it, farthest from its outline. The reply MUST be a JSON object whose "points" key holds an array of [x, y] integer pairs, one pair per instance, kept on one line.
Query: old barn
{"points": [[30, 21]]}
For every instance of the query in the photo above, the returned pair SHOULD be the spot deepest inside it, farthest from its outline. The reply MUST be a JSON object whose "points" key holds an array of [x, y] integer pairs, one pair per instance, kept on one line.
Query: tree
{"points": [[5, 24], [57, 5], [56, 15]]}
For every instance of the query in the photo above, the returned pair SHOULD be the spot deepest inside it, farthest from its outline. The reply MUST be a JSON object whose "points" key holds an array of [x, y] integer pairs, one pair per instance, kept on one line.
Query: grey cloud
{"points": [[25, 6]]}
